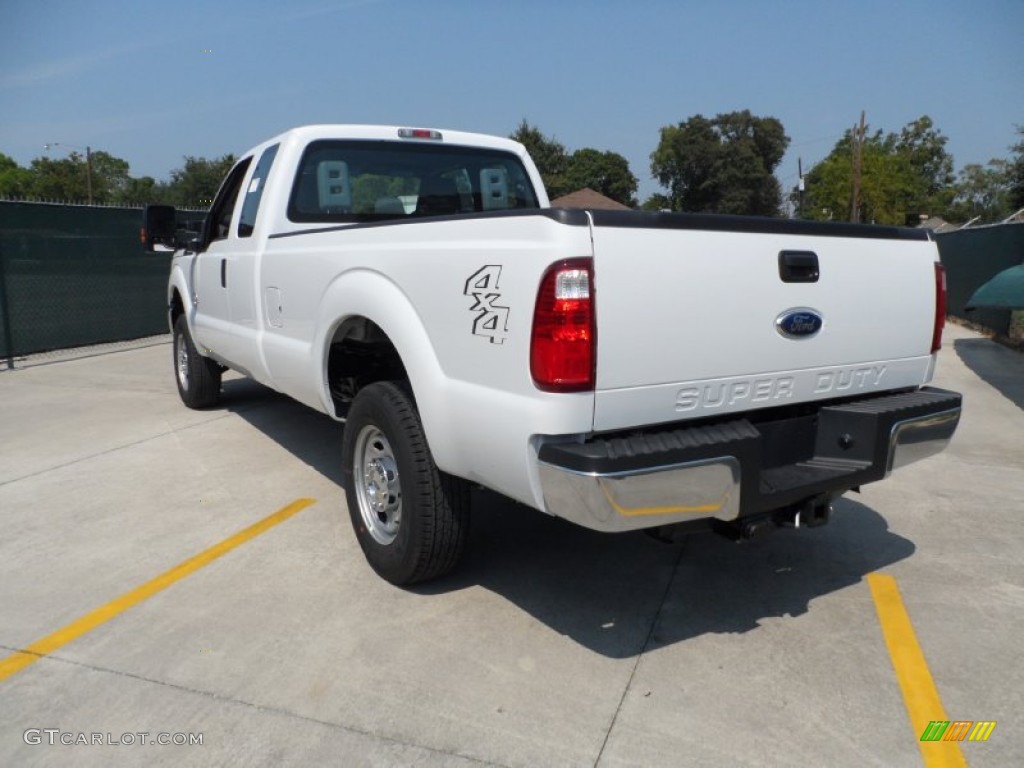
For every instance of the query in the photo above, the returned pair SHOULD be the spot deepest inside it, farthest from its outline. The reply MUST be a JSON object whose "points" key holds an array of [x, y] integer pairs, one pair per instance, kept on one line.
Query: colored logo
{"points": [[799, 323], [958, 730]]}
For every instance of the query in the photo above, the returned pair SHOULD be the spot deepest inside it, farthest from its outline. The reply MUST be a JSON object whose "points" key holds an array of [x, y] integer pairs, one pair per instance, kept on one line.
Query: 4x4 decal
{"points": [[491, 319]]}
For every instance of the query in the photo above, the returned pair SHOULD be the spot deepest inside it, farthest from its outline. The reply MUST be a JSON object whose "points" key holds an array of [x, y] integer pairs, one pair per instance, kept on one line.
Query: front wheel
{"points": [[198, 377], [410, 518]]}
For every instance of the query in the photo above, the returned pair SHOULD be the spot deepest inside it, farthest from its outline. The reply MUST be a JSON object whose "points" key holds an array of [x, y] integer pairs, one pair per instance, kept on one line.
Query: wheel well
{"points": [[360, 354], [177, 307]]}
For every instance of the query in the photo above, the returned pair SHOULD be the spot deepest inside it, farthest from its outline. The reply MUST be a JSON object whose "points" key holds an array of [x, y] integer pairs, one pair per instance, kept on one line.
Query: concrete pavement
{"points": [[551, 646]]}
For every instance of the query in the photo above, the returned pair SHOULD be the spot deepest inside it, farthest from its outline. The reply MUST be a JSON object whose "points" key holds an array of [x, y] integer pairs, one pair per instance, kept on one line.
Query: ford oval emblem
{"points": [[799, 323]]}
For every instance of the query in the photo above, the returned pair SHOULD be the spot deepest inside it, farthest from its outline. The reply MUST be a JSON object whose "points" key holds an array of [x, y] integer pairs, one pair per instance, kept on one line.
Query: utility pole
{"points": [[858, 156], [88, 171], [800, 187]]}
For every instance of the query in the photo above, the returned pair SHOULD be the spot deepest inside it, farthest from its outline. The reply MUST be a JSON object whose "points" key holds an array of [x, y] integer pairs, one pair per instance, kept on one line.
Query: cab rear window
{"points": [[362, 181]]}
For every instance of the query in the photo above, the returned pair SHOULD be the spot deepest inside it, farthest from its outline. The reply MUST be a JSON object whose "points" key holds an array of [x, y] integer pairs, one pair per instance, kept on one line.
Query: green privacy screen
{"points": [[74, 275], [973, 257]]}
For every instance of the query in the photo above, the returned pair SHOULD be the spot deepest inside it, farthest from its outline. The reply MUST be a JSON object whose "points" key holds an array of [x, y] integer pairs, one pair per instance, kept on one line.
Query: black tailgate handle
{"points": [[798, 266]]}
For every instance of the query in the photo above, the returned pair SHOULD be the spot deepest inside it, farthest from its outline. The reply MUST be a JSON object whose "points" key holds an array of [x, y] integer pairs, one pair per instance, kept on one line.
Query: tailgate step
{"points": [[806, 473], [785, 461]]}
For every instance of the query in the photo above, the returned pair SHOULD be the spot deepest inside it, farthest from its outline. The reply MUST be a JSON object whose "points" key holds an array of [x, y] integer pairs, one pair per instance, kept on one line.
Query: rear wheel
{"points": [[198, 377], [410, 518]]}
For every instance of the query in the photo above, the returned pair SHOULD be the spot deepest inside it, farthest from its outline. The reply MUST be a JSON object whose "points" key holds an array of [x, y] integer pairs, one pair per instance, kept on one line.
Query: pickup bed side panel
{"points": [[456, 299]]}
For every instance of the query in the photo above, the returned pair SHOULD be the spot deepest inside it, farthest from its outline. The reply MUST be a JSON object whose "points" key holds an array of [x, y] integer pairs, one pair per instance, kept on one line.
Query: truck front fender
{"points": [[180, 282]]}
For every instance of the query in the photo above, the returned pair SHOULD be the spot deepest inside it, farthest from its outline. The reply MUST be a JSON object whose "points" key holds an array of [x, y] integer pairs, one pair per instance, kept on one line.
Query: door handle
{"points": [[798, 266], [223, 273]]}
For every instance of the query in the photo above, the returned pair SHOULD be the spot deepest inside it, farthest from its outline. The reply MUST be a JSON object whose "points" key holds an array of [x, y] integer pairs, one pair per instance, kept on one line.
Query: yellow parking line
{"points": [[920, 696], [30, 655]]}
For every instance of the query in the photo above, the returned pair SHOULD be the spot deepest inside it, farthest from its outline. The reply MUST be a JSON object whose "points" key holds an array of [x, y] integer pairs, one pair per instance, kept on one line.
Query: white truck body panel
{"points": [[477, 401], [687, 322]]}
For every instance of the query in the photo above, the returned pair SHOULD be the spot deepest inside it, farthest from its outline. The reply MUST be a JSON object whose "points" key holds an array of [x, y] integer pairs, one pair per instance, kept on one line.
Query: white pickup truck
{"points": [[619, 369]]}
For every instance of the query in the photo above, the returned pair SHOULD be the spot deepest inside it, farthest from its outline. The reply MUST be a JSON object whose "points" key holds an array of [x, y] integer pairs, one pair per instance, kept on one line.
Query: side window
{"points": [[253, 195], [218, 223]]}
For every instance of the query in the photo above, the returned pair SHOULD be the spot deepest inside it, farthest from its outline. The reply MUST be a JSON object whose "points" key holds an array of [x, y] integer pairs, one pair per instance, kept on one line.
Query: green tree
{"points": [[722, 165], [65, 178], [195, 184], [110, 176], [141, 191], [901, 173], [657, 202], [68, 178], [924, 148], [548, 155], [1015, 174], [15, 181], [887, 183], [72, 178], [604, 172], [981, 192]]}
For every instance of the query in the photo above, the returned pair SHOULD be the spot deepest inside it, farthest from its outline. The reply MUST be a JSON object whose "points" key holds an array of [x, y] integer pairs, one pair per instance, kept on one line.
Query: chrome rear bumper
{"points": [[622, 501], [738, 468], [916, 439]]}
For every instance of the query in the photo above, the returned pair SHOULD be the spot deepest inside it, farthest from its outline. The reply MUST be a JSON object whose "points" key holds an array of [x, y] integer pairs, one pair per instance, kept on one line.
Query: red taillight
{"points": [[563, 344], [940, 306]]}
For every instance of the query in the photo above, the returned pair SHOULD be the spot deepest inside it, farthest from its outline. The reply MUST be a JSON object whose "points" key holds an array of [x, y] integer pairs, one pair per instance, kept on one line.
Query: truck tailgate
{"points": [[688, 310]]}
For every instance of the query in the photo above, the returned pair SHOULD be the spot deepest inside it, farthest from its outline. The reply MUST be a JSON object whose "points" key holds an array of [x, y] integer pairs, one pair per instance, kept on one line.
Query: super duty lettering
{"points": [[718, 394]]}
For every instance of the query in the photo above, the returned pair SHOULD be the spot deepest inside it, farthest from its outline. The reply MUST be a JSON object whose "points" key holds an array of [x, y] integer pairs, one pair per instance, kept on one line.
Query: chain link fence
{"points": [[75, 275]]}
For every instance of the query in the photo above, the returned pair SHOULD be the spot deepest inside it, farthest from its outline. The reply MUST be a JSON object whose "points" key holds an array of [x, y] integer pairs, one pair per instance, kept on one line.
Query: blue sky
{"points": [[152, 82]]}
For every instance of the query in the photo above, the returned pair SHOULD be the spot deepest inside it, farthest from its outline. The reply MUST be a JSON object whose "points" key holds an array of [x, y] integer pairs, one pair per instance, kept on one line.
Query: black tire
{"points": [[411, 519], [197, 377]]}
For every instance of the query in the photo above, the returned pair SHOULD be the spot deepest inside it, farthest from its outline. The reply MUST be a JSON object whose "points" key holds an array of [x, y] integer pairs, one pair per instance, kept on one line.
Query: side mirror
{"points": [[159, 223]]}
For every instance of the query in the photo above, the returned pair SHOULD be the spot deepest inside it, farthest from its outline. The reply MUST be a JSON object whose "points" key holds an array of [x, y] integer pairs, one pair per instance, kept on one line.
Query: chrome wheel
{"points": [[407, 539], [377, 485], [197, 377], [181, 359]]}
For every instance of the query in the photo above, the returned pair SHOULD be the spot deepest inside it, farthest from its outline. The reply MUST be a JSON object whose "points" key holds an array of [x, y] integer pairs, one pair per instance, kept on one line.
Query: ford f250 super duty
{"points": [[619, 369]]}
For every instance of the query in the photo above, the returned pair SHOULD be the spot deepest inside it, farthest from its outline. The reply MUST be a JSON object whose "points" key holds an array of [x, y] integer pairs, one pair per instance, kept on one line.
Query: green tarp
{"points": [[1004, 291]]}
